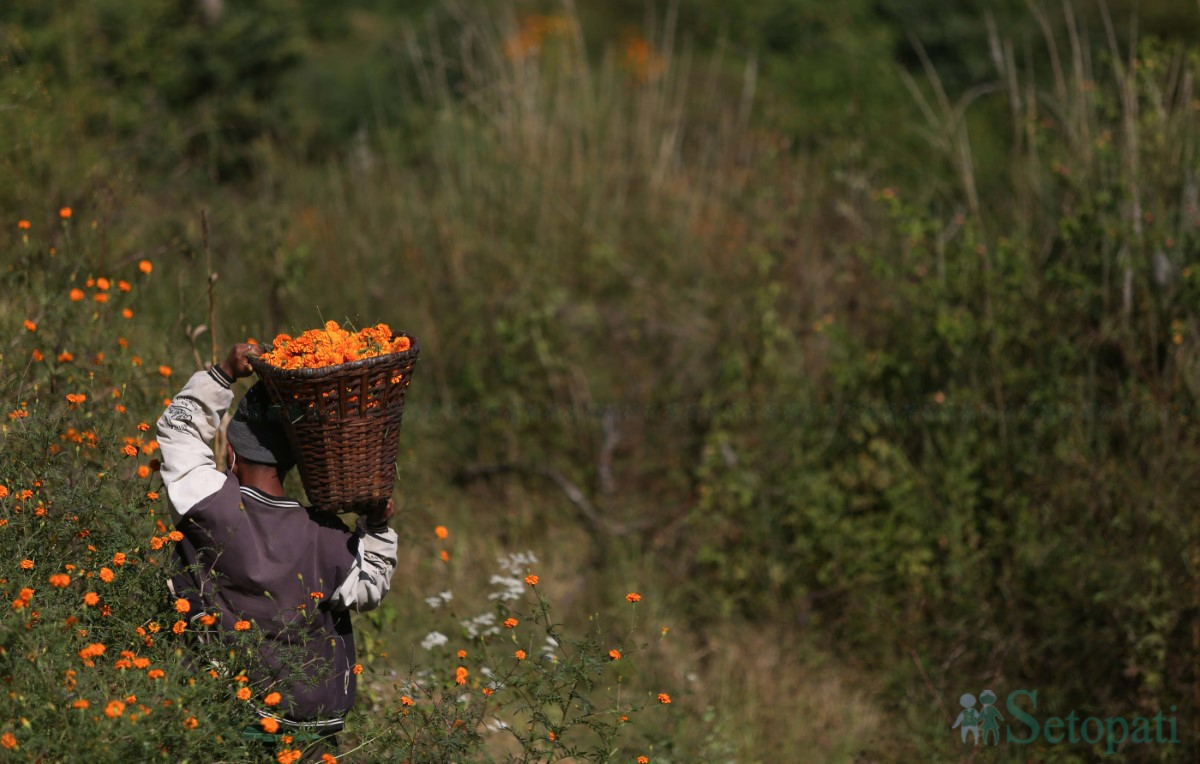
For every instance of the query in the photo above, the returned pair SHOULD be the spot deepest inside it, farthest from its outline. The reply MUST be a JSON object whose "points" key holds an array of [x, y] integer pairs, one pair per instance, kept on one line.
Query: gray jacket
{"points": [[292, 572]]}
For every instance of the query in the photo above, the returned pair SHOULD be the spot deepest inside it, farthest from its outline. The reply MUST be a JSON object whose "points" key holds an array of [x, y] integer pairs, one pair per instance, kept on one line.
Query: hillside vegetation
{"points": [[860, 339]]}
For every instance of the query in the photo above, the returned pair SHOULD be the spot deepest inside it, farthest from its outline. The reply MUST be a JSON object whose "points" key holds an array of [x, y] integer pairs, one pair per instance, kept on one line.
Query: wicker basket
{"points": [[344, 425]]}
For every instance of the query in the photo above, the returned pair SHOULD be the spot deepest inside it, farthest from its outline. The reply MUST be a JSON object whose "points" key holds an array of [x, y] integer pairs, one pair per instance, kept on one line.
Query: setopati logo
{"points": [[981, 720]]}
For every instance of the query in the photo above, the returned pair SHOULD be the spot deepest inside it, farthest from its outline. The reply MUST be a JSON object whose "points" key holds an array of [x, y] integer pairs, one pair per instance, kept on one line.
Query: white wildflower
{"points": [[481, 626], [496, 725], [517, 563], [434, 639], [510, 588]]}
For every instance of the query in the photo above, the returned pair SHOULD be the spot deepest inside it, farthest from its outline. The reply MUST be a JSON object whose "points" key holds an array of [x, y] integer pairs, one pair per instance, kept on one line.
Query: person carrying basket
{"points": [[252, 558]]}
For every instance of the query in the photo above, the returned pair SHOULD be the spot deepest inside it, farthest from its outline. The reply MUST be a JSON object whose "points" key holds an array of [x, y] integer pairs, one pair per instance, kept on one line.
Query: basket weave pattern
{"points": [[344, 425]]}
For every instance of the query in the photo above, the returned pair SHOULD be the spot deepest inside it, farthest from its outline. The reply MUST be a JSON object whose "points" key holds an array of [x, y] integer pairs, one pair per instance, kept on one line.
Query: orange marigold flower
{"points": [[81, 703], [30, 326], [114, 709], [244, 693], [143, 471], [129, 449], [462, 654], [532, 580], [91, 598], [76, 294], [90, 652], [441, 532], [3, 491], [191, 723], [156, 673], [269, 725], [316, 595], [119, 558], [102, 284], [242, 626], [332, 345], [65, 213], [521, 655], [27, 564], [106, 575], [460, 675], [164, 371], [405, 700], [288, 756], [141, 663], [510, 623], [37, 355], [23, 225], [124, 285], [152, 495], [182, 605], [328, 758], [8, 740], [179, 627], [444, 555], [100, 297], [664, 698], [633, 597], [145, 266], [76, 398], [153, 627], [60, 580], [643, 760], [614, 654], [488, 691], [157, 543], [207, 620], [242, 678], [273, 699]]}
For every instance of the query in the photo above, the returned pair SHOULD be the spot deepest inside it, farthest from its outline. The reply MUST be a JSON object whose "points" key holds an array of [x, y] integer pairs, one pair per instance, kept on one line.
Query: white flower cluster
{"points": [[434, 639], [550, 648], [483, 625], [517, 562], [438, 600], [496, 725], [512, 586]]}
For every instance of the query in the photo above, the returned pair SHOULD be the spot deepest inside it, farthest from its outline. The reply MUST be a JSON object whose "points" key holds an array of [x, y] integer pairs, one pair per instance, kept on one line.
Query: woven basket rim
{"points": [[403, 356]]}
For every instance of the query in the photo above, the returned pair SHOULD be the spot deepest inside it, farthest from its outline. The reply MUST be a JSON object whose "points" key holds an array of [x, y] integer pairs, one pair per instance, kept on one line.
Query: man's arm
{"points": [[186, 428], [370, 576]]}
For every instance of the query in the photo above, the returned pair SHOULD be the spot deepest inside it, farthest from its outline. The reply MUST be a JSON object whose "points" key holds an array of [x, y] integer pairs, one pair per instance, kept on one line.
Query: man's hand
{"points": [[379, 517], [235, 365]]}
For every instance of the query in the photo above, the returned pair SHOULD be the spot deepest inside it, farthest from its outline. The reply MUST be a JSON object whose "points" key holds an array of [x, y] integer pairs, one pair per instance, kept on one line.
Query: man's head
{"points": [[256, 434]]}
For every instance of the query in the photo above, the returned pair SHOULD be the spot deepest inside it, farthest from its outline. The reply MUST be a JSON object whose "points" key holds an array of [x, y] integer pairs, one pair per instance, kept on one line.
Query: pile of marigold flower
{"points": [[333, 345]]}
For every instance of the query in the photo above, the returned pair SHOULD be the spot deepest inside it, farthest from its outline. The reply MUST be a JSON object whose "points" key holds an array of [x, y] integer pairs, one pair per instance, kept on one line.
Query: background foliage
{"points": [[862, 335]]}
